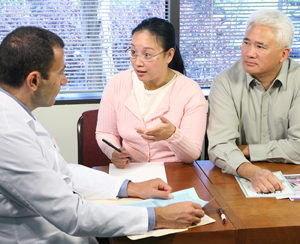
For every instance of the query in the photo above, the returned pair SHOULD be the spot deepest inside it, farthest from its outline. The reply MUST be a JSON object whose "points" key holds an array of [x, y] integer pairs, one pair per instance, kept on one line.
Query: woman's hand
{"points": [[161, 132], [120, 159]]}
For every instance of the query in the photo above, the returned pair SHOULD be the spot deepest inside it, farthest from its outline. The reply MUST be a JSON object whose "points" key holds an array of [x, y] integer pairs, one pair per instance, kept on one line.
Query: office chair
{"points": [[89, 153]]}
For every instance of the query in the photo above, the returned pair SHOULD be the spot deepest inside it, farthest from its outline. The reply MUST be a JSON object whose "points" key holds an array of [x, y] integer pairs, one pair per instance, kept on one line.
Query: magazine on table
{"points": [[294, 181], [246, 187]]}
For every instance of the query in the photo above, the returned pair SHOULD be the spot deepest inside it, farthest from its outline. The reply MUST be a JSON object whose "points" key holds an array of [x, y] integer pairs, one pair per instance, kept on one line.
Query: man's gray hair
{"points": [[280, 24]]}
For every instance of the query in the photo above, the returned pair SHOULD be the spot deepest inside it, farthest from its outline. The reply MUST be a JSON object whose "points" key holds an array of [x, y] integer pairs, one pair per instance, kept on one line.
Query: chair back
{"points": [[89, 153]]}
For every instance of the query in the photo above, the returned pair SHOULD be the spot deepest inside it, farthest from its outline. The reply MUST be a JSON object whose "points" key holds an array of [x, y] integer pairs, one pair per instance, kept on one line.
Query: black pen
{"points": [[111, 145]]}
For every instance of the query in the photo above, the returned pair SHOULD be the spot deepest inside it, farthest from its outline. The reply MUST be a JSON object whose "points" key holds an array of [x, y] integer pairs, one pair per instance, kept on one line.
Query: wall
{"points": [[61, 121]]}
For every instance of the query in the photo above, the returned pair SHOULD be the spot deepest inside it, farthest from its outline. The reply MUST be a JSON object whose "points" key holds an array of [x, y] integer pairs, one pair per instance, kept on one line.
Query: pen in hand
{"points": [[111, 145], [222, 215]]}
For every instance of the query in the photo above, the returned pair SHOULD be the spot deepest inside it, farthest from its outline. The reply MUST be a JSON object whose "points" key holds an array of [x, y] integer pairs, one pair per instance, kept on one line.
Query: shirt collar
{"points": [[280, 79], [21, 104], [249, 80], [283, 73]]}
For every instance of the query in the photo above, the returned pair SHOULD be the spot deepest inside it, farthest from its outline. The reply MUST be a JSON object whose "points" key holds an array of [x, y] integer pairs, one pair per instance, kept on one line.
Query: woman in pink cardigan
{"points": [[152, 112]]}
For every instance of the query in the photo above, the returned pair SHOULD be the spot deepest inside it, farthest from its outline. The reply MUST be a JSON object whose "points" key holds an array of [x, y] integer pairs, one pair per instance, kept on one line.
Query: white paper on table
{"points": [[137, 172], [161, 232], [179, 196]]}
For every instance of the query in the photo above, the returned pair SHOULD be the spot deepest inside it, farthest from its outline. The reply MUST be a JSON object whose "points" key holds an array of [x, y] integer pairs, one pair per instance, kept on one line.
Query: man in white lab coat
{"points": [[42, 198]]}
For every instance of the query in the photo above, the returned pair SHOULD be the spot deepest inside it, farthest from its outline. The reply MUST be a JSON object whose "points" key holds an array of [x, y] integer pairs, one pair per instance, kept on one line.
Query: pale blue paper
{"points": [[179, 196]]}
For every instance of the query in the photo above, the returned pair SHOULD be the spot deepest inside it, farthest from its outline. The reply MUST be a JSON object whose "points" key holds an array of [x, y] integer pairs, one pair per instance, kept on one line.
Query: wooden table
{"points": [[182, 176], [257, 220]]}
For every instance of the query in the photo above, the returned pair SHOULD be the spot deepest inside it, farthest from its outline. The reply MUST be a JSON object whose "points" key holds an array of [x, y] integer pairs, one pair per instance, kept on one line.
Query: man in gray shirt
{"points": [[255, 104]]}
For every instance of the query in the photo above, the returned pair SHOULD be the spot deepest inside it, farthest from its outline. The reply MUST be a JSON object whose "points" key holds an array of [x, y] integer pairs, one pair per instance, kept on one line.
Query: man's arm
{"points": [[262, 180], [223, 124]]}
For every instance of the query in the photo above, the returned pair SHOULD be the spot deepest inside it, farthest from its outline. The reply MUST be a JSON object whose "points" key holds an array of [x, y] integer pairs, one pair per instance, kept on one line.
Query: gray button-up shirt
{"points": [[242, 112]]}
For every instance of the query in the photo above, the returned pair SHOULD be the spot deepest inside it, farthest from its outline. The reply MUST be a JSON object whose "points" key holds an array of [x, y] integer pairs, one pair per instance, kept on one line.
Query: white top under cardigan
{"points": [[148, 100]]}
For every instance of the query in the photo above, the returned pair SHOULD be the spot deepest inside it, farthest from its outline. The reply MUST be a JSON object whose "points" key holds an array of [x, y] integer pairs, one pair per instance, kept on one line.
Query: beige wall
{"points": [[61, 121]]}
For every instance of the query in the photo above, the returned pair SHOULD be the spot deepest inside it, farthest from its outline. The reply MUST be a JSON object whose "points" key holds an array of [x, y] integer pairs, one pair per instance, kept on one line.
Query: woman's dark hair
{"points": [[165, 34], [24, 50]]}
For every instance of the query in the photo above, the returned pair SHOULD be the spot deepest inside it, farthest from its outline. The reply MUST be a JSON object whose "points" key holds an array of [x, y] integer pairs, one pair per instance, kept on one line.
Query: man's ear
{"points": [[33, 80], [285, 54]]}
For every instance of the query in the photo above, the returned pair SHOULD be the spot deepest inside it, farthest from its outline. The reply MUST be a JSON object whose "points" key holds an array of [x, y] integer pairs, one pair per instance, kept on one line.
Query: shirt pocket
{"points": [[281, 128]]}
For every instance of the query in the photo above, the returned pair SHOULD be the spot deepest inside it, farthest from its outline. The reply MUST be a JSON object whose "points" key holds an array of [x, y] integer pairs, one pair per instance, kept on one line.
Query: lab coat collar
{"points": [[21, 104], [17, 107]]}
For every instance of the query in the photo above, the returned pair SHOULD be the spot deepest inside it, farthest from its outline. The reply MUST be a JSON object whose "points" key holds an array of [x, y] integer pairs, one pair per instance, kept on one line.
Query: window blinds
{"points": [[212, 31], [96, 33]]}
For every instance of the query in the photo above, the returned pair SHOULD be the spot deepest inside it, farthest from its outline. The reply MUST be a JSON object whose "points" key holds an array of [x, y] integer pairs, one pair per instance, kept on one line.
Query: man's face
{"points": [[261, 57], [48, 89]]}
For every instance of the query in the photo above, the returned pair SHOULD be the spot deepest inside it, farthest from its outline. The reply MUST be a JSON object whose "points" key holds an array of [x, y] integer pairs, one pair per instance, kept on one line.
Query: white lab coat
{"points": [[42, 197]]}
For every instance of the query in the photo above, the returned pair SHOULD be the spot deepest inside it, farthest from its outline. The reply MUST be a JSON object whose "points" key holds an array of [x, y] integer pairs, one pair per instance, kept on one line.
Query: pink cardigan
{"points": [[184, 105]]}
